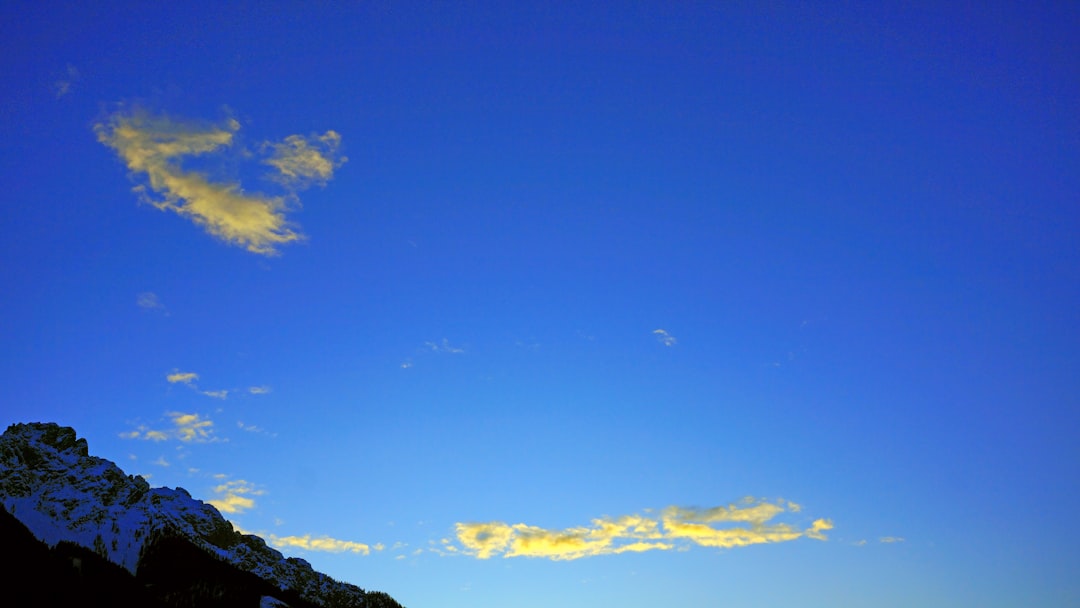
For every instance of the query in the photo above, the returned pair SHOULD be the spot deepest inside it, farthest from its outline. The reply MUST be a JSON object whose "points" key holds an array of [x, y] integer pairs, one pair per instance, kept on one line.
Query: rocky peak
{"points": [[48, 434], [59, 492]]}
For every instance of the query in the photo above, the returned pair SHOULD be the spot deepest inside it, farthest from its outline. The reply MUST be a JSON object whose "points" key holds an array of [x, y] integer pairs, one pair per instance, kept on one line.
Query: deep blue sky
{"points": [[569, 266]]}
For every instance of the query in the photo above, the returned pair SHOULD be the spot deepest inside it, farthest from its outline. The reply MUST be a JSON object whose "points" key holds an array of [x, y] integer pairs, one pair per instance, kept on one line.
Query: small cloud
{"points": [[149, 300], [161, 462], [251, 428], [320, 543], [664, 337], [891, 539], [406, 365], [189, 428], [443, 347], [259, 390], [304, 161], [63, 86], [235, 496], [182, 377], [860, 543], [188, 379], [818, 528], [192, 427], [142, 432], [676, 528], [155, 146]]}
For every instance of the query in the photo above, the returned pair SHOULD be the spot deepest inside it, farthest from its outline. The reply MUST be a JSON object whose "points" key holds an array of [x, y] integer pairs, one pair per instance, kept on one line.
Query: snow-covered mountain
{"points": [[51, 484]]}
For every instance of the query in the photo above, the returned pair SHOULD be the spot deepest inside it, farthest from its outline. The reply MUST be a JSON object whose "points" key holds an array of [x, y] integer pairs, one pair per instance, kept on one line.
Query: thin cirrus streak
{"points": [[155, 146], [319, 543], [188, 379], [307, 542], [747, 523]]}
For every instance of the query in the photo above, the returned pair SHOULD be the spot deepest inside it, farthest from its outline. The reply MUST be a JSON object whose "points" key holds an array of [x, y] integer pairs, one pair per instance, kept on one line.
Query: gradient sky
{"points": [[575, 304]]}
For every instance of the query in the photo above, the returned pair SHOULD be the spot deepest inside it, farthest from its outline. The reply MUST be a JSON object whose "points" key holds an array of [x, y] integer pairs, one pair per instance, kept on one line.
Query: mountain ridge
{"points": [[52, 485]]}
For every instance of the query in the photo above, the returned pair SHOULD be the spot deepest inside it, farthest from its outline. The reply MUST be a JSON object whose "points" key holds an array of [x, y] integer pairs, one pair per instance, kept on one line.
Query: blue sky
{"points": [[491, 304]]}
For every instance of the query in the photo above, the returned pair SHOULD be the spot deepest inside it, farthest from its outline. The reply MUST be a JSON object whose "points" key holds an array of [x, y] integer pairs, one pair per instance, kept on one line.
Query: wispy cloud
{"points": [[304, 161], [891, 539], [192, 427], [188, 379], [155, 146], [235, 496], [251, 428], [149, 300], [143, 432], [182, 377], [189, 428], [63, 85], [259, 390], [747, 523], [443, 347], [318, 543], [664, 337]]}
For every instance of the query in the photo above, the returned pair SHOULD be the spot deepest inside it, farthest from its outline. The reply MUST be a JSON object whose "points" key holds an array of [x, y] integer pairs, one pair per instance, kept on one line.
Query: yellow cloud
{"points": [[155, 145], [191, 427], [142, 432], [188, 379], [321, 543], [302, 161], [186, 427], [748, 523], [234, 496], [184, 377]]}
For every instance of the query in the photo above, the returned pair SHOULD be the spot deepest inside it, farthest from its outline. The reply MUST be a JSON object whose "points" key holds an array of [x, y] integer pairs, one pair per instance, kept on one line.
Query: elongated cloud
{"points": [[188, 379], [443, 347], [182, 377], [320, 543], [747, 523], [154, 146]]}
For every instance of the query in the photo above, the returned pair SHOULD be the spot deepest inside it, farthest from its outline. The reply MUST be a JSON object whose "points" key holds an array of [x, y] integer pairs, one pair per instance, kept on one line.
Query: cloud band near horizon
{"points": [[749, 522]]}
